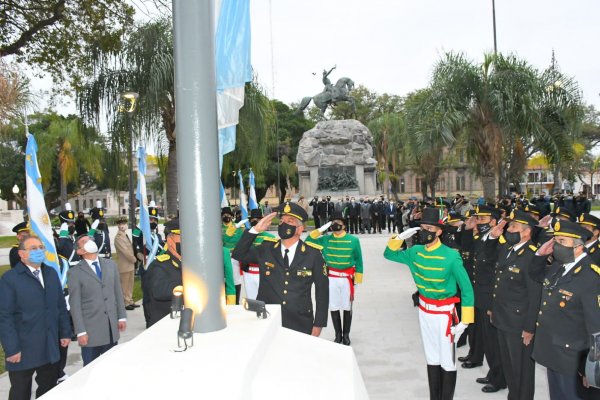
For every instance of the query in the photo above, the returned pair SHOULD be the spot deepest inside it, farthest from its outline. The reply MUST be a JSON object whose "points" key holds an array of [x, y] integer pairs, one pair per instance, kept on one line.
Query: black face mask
{"points": [[71, 230], [563, 254], [483, 228], [178, 248], [226, 219], [426, 237], [451, 229], [336, 227], [253, 222], [101, 226], [153, 225], [512, 238], [286, 231]]}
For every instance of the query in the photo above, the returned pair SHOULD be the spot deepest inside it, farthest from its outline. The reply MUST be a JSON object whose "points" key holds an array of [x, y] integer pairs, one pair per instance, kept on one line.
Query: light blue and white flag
{"points": [[36, 207], [252, 203], [233, 68], [243, 206], [224, 202], [143, 198]]}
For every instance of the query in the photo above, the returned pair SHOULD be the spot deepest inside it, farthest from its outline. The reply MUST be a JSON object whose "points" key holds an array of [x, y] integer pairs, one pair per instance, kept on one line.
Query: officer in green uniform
{"points": [[516, 300], [23, 233], [288, 269], [230, 235], [592, 224], [343, 256], [569, 310]]}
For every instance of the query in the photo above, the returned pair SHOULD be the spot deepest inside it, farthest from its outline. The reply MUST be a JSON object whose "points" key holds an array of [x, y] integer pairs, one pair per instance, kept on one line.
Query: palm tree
{"points": [[15, 95]]}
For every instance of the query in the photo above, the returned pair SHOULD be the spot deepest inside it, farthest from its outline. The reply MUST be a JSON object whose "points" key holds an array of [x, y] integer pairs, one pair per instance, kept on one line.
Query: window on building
{"points": [[85, 204], [402, 185], [460, 183], [77, 205], [441, 185], [596, 188]]}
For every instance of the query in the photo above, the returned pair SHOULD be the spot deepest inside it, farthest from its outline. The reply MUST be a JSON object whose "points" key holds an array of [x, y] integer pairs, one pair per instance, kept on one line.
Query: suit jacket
{"points": [[96, 306], [290, 287], [32, 318], [390, 209], [125, 258]]}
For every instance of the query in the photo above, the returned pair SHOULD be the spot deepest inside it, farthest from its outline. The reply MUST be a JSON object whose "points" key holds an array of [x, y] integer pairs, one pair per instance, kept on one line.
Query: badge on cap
{"points": [[512, 215], [557, 226], [581, 218], [287, 208]]}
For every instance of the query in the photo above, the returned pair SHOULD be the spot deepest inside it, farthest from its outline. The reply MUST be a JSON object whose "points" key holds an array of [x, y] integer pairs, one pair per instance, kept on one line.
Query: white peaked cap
{"points": [[152, 204], [68, 207], [98, 204]]}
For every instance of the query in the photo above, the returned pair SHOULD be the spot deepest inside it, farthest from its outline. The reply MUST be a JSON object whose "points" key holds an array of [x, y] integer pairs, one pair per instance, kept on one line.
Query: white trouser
{"points": [[237, 276], [339, 294], [251, 281], [438, 346]]}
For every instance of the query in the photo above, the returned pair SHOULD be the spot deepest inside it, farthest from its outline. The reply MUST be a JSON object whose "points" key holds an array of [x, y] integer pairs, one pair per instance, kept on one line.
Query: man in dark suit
{"points": [[96, 301], [352, 213], [33, 321], [390, 215], [288, 269]]}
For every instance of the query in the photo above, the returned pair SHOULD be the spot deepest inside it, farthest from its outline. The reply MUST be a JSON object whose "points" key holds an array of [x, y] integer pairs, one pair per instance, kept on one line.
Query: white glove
{"points": [[242, 222], [325, 227], [458, 330], [64, 226], [408, 233], [95, 224]]}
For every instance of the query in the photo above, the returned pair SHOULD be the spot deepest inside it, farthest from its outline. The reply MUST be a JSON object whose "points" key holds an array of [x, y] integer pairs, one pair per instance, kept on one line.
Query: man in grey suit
{"points": [[96, 301]]}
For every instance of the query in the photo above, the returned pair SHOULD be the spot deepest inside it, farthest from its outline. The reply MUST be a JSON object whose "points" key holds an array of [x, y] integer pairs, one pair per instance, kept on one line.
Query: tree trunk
{"points": [[488, 181], [172, 188], [557, 183], [63, 190]]}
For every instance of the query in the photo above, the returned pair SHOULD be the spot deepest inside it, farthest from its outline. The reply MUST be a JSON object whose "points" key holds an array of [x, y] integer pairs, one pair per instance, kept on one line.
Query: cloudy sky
{"points": [[392, 45]]}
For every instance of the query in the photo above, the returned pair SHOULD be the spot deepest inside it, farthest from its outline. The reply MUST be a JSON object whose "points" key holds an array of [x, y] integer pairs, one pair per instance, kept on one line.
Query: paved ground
{"points": [[385, 336]]}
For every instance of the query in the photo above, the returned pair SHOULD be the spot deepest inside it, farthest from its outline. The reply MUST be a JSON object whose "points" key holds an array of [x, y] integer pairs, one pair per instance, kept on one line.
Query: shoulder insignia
{"points": [[533, 248], [521, 252], [303, 248], [15, 245], [502, 240], [476, 237], [163, 257], [595, 268], [316, 246], [593, 250], [270, 239], [577, 270]]}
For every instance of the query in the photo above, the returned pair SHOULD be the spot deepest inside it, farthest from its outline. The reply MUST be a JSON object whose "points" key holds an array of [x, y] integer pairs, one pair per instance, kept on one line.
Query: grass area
{"points": [[7, 241]]}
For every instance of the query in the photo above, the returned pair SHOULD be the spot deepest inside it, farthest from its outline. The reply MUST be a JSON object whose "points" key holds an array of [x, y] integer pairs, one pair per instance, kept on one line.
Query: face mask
{"points": [[226, 219], [71, 230], [286, 231], [37, 256], [512, 238], [153, 225], [253, 222], [483, 228], [563, 254], [101, 226], [336, 227], [451, 229], [90, 247], [426, 237], [178, 248]]}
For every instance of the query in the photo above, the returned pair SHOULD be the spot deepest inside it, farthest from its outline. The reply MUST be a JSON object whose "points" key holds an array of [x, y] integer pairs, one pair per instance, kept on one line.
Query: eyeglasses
{"points": [[35, 248]]}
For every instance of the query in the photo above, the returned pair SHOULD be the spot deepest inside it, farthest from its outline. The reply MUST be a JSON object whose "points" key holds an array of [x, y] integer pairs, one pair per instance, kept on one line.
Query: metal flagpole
{"points": [[198, 162]]}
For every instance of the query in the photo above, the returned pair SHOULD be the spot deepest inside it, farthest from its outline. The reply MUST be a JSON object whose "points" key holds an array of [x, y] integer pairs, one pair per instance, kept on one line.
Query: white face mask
{"points": [[90, 247]]}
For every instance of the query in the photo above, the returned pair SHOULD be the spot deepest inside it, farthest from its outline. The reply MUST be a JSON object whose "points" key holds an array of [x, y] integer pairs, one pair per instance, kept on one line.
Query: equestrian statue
{"points": [[331, 94]]}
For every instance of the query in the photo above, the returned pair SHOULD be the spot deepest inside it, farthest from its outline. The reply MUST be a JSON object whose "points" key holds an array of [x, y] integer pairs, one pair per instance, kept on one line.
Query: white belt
{"points": [[254, 269], [339, 274], [432, 307]]}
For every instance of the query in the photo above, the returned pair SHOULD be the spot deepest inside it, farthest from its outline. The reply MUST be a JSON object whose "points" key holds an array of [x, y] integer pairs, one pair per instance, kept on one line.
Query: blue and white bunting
{"points": [[243, 206], [224, 201], [142, 197], [252, 203]]}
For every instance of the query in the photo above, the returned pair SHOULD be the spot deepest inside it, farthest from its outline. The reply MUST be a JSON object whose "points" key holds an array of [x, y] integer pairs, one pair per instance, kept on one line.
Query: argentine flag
{"points": [[36, 207], [143, 198], [243, 206], [252, 203], [233, 68], [224, 202]]}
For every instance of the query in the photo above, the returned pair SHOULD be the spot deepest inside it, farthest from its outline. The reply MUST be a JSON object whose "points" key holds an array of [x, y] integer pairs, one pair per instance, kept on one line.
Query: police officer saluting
{"points": [[288, 269], [569, 311], [592, 224], [516, 301]]}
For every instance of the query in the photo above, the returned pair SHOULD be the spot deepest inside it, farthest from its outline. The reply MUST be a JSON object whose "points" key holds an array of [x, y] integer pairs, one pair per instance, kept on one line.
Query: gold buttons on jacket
{"points": [[286, 282], [285, 292], [284, 303]]}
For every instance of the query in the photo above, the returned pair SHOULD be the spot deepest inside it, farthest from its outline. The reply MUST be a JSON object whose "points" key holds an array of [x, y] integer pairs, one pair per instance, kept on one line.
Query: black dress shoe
{"points": [[463, 359], [483, 381], [470, 364], [489, 388], [130, 307], [135, 305]]}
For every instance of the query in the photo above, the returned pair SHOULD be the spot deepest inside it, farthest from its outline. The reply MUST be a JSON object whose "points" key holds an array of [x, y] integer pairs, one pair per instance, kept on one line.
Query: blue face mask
{"points": [[37, 256]]}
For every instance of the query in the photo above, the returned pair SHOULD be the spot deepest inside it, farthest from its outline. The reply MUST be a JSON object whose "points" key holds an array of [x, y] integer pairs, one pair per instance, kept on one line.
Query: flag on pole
{"points": [[252, 203], [143, 198], [224, 202], [36, 207], [243, 205], [233, 68]]}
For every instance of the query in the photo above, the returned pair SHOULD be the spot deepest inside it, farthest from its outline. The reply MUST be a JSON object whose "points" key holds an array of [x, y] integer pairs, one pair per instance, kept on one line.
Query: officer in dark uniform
{"points": [[569, 311], [23, 233], [288, 269], [516, 300], [101, 236], [162, 276], [66, 241], [485, 339], [592, 224]]}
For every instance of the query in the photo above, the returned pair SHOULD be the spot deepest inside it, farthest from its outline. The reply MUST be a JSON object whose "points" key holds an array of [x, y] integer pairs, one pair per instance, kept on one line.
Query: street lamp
{"points": [[128, 106], [15, 189]]}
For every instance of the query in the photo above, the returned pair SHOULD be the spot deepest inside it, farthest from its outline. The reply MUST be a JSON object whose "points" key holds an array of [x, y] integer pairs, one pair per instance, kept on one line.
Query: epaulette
{"points": [[270, 239], [15, 245], [136, 232], [533, 248], [502, 240], [316, 246], [595, 268], [163, 257]]}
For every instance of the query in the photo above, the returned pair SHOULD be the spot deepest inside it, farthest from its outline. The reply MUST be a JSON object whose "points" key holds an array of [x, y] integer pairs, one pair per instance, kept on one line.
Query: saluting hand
{"points": [[264, 223], [545, 222], [546, 249], [498, 230], [470, 223]]}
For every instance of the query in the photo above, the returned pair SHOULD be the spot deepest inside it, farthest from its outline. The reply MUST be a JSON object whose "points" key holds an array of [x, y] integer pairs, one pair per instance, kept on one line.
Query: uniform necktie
{"points": [[36, 273], [98, 270], [286, 259]]}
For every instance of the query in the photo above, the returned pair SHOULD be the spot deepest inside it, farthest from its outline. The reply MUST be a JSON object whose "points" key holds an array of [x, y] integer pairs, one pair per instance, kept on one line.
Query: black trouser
{"points": [[353, 225], [381, 222], [317, 222], [490, 348], [565, 386], [517, 365], [366, 225], [238, 290], [360, 225], [62, 363], [20, 381], [476, 352], [391, 223]]}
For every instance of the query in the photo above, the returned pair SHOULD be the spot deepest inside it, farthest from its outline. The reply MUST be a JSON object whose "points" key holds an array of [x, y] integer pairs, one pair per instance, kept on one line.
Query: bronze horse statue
{"points": [[331, 95]]}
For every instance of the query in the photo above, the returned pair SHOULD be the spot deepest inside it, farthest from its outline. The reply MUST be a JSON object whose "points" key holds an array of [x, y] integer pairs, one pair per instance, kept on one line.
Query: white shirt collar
{"points": [[518, 246], [589, 245], [89, 263], [570, 266], [292, 251], [31, 269]]}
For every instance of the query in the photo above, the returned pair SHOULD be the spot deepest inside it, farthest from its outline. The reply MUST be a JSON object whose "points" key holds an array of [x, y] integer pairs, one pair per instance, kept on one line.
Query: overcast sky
{"points": [[392, 45]]}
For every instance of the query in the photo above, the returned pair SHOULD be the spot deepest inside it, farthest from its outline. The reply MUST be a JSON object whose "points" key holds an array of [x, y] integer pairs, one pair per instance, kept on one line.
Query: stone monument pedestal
{"points": [[331, 154]]}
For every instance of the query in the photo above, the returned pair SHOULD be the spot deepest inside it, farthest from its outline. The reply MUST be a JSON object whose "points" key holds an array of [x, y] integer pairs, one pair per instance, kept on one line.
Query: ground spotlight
{"points": [[185, 332], [177, 301], [256, 306]]}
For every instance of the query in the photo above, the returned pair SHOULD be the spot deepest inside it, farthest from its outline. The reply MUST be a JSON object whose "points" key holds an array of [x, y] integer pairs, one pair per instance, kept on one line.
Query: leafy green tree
{"points": [[15, 95]]}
